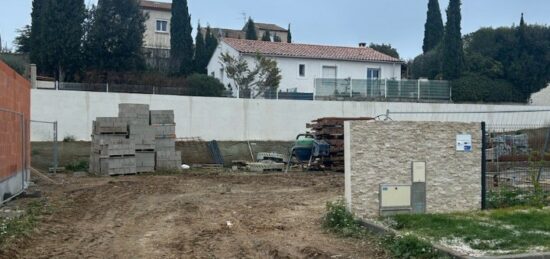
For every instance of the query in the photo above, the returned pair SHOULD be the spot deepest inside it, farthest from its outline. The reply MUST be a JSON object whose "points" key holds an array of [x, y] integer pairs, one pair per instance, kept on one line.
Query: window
{"points": [[330, 72], [373, 73], [302, 70], [222, 74], [162, 26]]}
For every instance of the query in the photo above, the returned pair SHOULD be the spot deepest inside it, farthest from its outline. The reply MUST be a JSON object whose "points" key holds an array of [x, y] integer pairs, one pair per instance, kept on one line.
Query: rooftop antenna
{"points": [[244, 17]]}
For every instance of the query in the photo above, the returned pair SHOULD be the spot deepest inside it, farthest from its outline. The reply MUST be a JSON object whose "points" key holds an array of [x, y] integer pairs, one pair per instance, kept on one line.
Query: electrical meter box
{"points": [[395, 199]]}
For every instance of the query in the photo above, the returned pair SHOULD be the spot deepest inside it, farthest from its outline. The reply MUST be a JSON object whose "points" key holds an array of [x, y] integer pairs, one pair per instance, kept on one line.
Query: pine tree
{"points": [[433, 29], [289, 37], [211, 44], [200, 52], [251, 33], [267, 36], [453, 52], [114, 41], [181, 41]]}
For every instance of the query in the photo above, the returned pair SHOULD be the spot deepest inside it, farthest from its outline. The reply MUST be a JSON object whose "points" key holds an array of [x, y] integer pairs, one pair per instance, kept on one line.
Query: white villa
{"points": [[302, 64]]}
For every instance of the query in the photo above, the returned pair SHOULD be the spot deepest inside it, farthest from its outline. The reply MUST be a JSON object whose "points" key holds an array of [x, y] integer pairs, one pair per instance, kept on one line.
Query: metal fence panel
{"points": [[517, 162], [385, 89]]}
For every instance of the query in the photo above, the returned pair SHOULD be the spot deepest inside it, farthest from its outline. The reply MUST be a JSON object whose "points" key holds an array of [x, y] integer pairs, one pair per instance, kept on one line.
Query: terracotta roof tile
{"points": [[281, 49], [155, 5]]}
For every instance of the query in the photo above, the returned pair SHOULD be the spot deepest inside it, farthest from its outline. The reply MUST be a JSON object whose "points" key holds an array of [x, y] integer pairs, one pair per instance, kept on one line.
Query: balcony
{"points": [[383, 90]]}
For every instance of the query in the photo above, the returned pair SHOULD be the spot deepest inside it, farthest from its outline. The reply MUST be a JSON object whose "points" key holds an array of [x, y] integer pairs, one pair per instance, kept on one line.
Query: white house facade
{"points": [[302, 64], [541, 98]]}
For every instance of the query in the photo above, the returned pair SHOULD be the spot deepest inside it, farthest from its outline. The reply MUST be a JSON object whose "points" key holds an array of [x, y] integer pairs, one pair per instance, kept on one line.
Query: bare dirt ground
{"points": [[199, 215]]}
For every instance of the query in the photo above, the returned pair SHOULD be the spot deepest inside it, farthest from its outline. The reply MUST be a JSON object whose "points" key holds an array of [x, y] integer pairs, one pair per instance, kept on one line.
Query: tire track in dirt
{"points": [[192, 216]]}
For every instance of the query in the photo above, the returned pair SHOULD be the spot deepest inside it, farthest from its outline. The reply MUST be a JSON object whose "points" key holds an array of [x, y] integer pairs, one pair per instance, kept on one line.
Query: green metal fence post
{"points": [[483, 166]]}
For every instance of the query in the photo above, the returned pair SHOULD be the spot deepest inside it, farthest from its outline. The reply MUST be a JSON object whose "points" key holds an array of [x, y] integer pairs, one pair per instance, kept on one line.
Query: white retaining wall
{"points": [[238, 119]]}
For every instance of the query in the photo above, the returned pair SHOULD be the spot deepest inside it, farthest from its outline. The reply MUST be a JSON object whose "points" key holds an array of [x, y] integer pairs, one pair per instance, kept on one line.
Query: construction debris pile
{"points": [[137, 141], [331, 130]]}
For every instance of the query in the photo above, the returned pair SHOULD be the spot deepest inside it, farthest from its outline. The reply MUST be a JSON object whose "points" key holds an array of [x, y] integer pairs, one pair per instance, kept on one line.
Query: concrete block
{"points": [[109, 126], [162, 117], [130, 109], [145, 159], [165, 131], [167, 160], [165, 144], [118, 166], [98, 140]]}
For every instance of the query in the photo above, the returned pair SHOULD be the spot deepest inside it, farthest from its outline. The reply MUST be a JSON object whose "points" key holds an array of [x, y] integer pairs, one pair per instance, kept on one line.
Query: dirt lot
{"points": [[198, 215]]}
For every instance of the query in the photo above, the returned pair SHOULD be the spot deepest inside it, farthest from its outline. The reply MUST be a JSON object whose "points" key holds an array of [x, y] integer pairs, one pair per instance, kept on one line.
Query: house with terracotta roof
{"points": [[304, 65], [261, 30]]}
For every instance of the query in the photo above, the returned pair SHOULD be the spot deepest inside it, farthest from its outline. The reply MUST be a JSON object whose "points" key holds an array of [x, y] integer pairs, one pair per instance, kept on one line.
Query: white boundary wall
{"points": [[238, 119]]}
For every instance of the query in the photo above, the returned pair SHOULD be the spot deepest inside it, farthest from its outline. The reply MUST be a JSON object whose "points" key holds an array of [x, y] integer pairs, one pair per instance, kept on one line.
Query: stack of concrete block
{"points": [[137, 141], [141, 133], [168, 160], [112, 153], [165, 140]]}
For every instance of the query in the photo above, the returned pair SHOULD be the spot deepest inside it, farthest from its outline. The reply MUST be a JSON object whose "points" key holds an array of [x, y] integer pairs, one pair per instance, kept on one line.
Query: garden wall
{"points": [[14, 129], [382, 153]]}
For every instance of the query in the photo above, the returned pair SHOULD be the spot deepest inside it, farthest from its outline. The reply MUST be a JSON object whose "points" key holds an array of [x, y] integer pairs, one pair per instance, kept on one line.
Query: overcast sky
{"points": [[343, 22]]}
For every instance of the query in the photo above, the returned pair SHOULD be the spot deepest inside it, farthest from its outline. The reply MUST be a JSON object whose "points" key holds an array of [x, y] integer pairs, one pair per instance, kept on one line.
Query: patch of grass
{"points": [[17, 227], [339, 221], [77, 166], [514, 230], [409, 246]]}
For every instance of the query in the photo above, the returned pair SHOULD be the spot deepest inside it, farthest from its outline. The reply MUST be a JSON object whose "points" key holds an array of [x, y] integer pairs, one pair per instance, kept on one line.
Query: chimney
{"points": [[362, 44]]}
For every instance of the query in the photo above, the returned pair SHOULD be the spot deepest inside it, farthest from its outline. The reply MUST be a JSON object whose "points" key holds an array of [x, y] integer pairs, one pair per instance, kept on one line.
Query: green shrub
{"points": [[203, 85], [69, 138], [409, 246], [512, 197], [339, 220], [479, 88], [76, 166]]}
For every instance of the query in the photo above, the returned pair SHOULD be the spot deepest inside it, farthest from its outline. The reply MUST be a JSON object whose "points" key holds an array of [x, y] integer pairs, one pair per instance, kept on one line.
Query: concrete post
{"points": [[33, 75], [55, 150]]}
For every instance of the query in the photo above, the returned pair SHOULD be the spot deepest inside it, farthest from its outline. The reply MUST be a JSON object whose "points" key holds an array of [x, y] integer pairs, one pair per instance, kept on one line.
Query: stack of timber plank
{"points": [[331, 130]]}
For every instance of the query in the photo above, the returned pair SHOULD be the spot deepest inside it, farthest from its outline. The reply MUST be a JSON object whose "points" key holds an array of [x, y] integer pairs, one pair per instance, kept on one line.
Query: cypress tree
{"points": [[289, 38], [433, 29], [276, 38], [211, 44], [115, 38], [200, 52], [62, 34], [36, 54], [251, 33], [267, 36], [453, 52], [181, 41]]}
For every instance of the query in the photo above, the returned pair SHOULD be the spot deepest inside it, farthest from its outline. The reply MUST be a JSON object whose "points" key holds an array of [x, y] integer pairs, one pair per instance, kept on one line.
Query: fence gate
{"points": [[516, 165]]}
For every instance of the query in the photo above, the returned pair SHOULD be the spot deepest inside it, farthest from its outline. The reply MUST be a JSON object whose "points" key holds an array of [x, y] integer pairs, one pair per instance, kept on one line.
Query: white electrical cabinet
{"points": [[395, 196]]}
